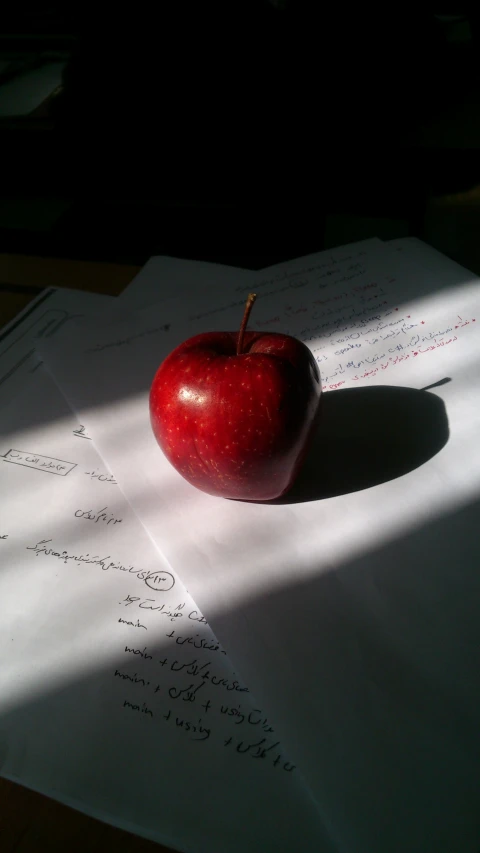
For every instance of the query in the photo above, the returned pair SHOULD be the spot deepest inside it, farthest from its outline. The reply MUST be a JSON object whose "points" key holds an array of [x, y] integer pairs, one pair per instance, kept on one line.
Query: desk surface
{"points": [[29, 822]]}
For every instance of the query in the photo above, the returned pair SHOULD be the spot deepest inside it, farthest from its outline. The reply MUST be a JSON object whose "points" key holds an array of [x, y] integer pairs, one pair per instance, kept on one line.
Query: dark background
{"points": [[229, 131], [241, 131]]}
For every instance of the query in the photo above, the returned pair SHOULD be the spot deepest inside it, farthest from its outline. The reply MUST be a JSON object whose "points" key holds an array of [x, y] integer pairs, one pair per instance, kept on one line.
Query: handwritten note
{"points": [[113, 686], [341, 304], [162, 277], [367, 334], [40, 463], [348, 615], [81, 432]]}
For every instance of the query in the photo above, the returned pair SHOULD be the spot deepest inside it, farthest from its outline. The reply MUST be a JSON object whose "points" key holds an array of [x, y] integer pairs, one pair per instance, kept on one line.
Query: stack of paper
{"points": [[317, 686]]}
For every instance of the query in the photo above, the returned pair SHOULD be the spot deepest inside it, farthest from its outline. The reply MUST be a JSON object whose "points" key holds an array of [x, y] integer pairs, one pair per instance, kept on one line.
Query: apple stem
{"points": [[248, 307]]}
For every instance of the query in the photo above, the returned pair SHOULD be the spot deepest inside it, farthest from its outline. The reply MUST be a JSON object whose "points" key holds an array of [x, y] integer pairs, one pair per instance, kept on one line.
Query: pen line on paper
{"points": [[27, 312], [32, 467], [16, 366], [42, 331], [53, 458]]}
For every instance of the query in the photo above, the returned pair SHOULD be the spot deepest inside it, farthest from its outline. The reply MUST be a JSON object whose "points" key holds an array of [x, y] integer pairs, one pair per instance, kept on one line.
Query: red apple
{"points": [[234, 411]]}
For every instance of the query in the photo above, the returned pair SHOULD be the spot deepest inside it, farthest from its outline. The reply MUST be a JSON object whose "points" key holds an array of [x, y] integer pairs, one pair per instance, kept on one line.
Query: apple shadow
{"points": [[367, 436]]}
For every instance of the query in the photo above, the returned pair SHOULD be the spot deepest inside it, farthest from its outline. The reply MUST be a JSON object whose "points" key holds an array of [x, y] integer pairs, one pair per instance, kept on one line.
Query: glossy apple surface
{"points": [[234, 424]]}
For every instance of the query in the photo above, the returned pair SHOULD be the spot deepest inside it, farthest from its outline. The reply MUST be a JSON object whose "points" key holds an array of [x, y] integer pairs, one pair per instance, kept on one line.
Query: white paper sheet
{"points": [[163, 277], [425, 255], [46, 316], [351, 613], [116, 697]]}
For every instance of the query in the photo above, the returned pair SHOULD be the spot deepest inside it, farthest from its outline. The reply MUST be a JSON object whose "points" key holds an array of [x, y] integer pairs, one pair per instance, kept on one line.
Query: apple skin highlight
{"points": [[234, 413]]}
